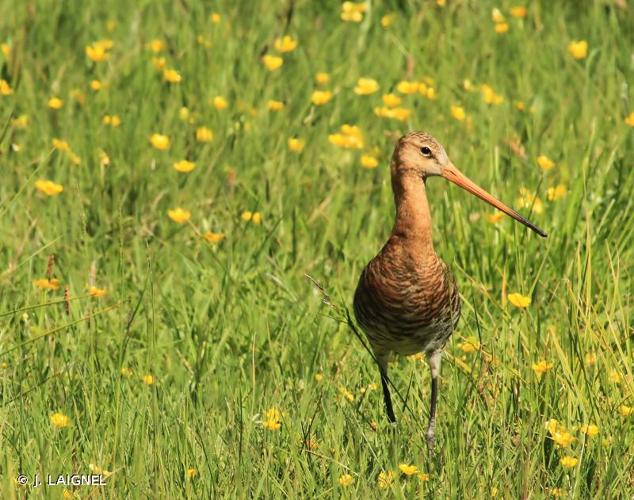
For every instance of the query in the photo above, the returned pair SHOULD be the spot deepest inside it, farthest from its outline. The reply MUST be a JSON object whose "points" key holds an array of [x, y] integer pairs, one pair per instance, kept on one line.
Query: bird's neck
{"points": [[413, 217]]}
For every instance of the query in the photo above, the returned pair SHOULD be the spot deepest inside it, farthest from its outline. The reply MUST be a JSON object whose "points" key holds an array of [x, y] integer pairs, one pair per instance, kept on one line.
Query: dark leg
{"points": [[434, 364], [382, 361]]}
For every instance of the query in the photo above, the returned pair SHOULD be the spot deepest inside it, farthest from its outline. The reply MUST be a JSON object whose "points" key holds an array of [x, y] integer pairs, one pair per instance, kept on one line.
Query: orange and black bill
{"points": [[451, 173]]}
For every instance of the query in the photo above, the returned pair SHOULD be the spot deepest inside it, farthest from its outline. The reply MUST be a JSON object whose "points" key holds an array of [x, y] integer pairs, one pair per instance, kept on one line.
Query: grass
{"points": [[232, 329]]}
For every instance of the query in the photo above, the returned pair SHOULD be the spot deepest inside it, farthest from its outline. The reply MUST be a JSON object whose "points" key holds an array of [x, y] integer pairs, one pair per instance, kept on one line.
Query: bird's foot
{"points": [[430, 435]]}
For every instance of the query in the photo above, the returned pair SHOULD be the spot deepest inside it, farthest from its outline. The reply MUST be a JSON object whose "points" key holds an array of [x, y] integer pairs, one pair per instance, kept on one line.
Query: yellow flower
{"points": [[59, 420], [519, 300], [148, 379], [160, 142], [458, 113], [366, 86], [60, 145], [321, 97], [614, 377], [352, 12], [95, 469], [625, 411], [346, 480], [257, 218], [21, 121], [385, 480], [423, 476], [591, 359], [407, 87], [215, 17], [387, 20], [97, 52], [159, 63], [285, 44], [490, 96], [545, 163], [589, 429], [114, 120], [220, 103], [47, 284], [556, 192], [275, 105], [319, 377], [518, 11], [629, 119], [203, 134], [578, 49], [557, 492], [156, 45], [184, 166], [6, 49], [501, 27], [349, 137], [568, 462], [295, 144], [191, 473], [183, 113], [55, 103], [470, 344], [408, 470], [5, 88], [74, 159], [401, 114], [212, 237], [171, 75], [495, 217], [369, 161], [273, 419], [93, 291], [179, 215], [391, 100], [346, 394], [541, 367], [497, 16], [96, 85], [322, 78], [529, 200], [246, 216], [272, 63], [49, 188], [126, 372]]}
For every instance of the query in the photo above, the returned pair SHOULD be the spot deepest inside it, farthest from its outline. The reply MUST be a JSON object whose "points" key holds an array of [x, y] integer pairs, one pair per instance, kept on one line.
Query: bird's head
{"points": [[419, 154]]}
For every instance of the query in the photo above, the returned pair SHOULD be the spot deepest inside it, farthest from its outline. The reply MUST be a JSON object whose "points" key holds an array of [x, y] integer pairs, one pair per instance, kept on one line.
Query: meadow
{"points": [[172, 171]]}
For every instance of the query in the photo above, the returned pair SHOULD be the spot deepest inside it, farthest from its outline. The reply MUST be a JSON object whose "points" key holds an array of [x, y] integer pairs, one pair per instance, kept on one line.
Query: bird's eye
{"points": [[425, 151]]}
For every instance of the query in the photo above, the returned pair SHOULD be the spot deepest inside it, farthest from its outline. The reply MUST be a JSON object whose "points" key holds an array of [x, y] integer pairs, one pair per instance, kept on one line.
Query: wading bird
{"points": [[407, 301]]}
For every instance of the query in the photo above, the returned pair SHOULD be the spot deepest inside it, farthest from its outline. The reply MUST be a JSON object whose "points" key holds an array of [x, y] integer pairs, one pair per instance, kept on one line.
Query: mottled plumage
{"points": [[407, 300]]}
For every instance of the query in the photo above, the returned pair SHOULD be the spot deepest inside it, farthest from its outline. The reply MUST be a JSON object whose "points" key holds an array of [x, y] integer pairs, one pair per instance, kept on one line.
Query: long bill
{"points": [[451, 173]]}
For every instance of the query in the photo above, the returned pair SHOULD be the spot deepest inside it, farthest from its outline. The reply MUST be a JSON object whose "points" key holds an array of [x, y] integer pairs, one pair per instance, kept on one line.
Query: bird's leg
{"points": [[433, 360], [382, 362]]}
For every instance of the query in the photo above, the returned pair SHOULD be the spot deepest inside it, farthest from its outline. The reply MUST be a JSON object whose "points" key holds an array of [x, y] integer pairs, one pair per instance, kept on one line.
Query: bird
{"points": [[407, 301]]}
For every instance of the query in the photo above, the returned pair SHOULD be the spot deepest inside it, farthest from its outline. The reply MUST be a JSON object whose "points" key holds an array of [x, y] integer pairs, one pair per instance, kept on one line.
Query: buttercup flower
{"points": [[321, 97], [589, 429], [387, 20], [346, 480], [149, 379], [385, 480], [369, 161], [408, 470], [49, 188], [203, 134], [272, 63], [349, 137], [545, 163], [407, 87], [179, 215], [625, 411], [322, 78], [568, 462], [629, 119], [495, 217], [578, 49], [366, 86], [501, 28], [55, 103], [212, 237], [518, 11], [541, 367], [556, 192], [295, 144], [275, 105], [184, 166], [160, 142], [285, 44], [458, 113], [171, 76], [156, 45], [5, 88], [519, 300], [59, 420], [352, 12], [220, 103], [46, 284], [98, 51], [391, 100], [93, 291]]}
